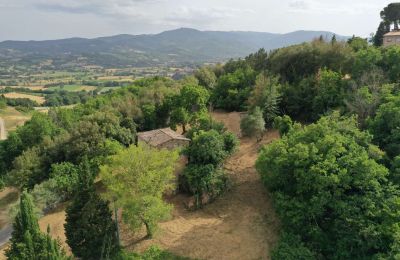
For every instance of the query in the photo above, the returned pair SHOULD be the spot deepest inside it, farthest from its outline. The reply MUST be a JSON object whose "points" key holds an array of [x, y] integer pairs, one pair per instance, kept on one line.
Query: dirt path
{"points": [[3, 133], [239, 225]]}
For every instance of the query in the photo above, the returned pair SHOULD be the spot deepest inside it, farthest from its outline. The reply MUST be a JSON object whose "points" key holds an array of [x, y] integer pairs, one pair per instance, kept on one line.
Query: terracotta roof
{"points": [[392, 33], [160, 136]]}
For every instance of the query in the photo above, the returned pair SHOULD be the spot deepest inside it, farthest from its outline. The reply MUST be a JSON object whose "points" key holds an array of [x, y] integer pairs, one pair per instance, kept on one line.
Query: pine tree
{"points": [[27, 241], [89, 228]]}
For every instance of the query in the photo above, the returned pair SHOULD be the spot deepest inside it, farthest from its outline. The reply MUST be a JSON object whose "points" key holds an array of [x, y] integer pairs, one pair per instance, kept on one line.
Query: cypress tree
{"points": [[27, 241], [89, 228]]}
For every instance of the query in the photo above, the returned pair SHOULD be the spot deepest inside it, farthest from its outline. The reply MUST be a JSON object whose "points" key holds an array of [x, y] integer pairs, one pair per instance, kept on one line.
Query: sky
{"points": [[55, 19]]}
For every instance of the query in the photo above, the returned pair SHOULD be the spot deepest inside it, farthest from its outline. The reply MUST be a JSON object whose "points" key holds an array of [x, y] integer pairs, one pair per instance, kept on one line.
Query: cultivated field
{"points": [[73, 88], [13, 118], [39, 99]]}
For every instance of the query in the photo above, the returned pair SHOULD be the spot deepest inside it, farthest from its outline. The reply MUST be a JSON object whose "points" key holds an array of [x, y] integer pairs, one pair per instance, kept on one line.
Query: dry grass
{"points": [[31, 87], [13, 118], [240, 225], [38, 99]]}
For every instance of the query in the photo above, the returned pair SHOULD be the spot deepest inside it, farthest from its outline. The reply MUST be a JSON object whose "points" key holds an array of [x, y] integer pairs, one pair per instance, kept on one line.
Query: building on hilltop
{"points": [[391, 38], [163, 138]]}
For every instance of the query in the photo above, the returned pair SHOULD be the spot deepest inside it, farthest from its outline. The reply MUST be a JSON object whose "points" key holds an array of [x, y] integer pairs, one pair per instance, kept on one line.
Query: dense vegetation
{"points": [[334, 177]]}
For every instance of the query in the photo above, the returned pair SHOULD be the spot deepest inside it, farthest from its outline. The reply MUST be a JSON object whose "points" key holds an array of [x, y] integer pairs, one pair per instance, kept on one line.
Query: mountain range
{"points": [[175, 47]]}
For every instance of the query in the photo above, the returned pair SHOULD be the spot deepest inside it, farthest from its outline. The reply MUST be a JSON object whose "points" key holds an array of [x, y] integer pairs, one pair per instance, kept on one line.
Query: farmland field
{"points": [[39, 99], [73, 88], [13, 118]]}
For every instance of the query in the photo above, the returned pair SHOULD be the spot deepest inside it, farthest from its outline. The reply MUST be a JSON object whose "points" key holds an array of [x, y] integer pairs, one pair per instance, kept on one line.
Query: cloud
{"points": [[96, 7], [302, 5], [333, 7], [196, 16]]}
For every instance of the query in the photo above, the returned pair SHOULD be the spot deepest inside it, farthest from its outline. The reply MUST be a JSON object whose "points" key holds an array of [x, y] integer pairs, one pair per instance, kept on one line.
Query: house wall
{"points": [[391, 40], [172, 144]]}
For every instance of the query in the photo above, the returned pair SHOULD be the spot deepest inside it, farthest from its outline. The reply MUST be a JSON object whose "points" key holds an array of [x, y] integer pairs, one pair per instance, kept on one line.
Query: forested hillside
{"points": [[333, 175]]}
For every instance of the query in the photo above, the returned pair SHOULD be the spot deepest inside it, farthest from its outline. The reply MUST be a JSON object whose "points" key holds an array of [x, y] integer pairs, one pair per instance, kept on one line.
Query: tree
{"points": [[27, 241], [206, 77], [391, 63], [206, 153], [136, 179], [330, 191], [207, 148], [188, 105], [358, 43], [378, 37], [89, 228], [253, 124], [391, 15], [329, 92], [266, 96], [385, 126]]}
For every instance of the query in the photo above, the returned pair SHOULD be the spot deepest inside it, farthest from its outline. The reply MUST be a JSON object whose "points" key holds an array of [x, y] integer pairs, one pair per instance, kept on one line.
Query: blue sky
{"points": [[54, 19]]}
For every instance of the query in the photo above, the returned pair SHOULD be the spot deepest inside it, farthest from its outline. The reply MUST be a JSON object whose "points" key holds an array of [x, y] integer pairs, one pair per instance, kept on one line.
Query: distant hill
{"points": [[181, 46]]}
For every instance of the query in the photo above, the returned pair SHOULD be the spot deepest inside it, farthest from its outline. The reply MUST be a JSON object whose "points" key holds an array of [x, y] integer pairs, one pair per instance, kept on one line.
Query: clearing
{"points": [[39, 99], [239, 225]]}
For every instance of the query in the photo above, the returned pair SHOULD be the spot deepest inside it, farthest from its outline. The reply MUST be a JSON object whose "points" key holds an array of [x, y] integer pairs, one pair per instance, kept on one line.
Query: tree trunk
{"points": [[184, 128], [148, 230]]}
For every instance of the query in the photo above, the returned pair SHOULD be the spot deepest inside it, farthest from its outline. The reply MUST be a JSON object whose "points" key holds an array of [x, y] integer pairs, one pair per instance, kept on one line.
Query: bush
{"points": [[253, 124], [283, 124], [290, 247]]}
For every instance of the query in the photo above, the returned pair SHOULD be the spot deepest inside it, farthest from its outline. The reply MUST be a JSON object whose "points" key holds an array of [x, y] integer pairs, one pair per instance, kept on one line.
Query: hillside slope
{"points": [[171, 47]]}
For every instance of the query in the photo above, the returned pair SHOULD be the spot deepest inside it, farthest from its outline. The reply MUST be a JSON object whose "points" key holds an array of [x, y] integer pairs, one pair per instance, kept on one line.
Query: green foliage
{"points": [[365, 61], [136, 178], [233, 89], [206, 153], [283, 124], [382, 29], [207, 148], [89, 228], [329, 92], [206, 77], [290, 247], [385, 127], [297, 62], [357, 43], [27, 241], [391, 62], [329, 191], [253, 124], [266, 95], [188, 105]]}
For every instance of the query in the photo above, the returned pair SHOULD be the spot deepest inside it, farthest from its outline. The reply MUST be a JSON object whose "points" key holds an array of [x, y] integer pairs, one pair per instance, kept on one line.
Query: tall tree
{"points": [[89, 228], [266, 96], [378, 37], [136, 179], [27, 241]]}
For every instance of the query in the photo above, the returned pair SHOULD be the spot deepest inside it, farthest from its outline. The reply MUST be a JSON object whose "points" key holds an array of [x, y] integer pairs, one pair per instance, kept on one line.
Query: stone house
{"points": [[163, 138], [391, 38]]}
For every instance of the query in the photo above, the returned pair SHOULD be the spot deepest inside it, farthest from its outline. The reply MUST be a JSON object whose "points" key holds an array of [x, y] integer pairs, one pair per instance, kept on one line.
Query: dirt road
{"points": [[239, 225], [3, 132]]}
